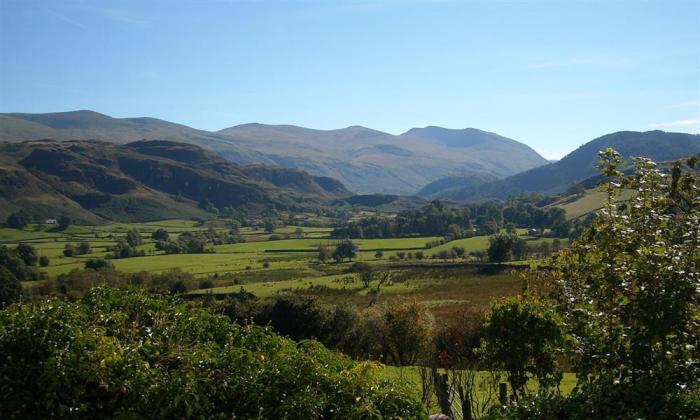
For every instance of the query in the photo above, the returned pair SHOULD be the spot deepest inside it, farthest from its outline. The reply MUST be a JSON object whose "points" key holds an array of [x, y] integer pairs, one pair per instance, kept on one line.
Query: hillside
{"points": [[364, 160], [581, 163], [145, 180], [443, 187]]}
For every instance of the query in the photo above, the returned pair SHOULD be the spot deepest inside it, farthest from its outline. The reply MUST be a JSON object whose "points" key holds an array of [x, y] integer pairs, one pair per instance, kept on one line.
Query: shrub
{"points": [[99, 264], [128, 354], [84, 248], [18, 220], [44, 261], [522, 337], [27, 253], [69, 250], [206, 284], [10, 287]]}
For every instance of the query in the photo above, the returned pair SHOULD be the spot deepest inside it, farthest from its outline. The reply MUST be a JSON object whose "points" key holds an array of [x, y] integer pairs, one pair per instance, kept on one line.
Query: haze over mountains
{"points": [[576, 166], [364, 160]]}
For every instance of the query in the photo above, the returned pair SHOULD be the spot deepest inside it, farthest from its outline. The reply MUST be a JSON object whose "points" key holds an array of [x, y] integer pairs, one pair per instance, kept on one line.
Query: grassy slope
{"points": [[591, 201]]}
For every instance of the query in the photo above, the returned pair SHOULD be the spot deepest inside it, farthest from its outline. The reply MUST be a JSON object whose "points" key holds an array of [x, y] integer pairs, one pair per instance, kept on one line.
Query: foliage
{"points": [[27, 253], [84, 248], [127, 354], [196, 242], [628, 292], [502, 245], [12, 261], [133, 237], [324, 253], [69, 250], [123, 249], [18, 220], [160, 234], [10, 287], [345, 249], [522, 336], [64, 221], [396, 332], [99, 264], [44, 261]]}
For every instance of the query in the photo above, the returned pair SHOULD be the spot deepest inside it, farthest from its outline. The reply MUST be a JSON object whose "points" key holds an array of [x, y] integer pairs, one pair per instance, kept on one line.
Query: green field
{"points": [[591, 201], [286, 263]]}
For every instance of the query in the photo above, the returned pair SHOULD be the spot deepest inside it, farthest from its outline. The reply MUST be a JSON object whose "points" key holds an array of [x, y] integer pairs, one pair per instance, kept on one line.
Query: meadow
{"points": [[286, 260]]}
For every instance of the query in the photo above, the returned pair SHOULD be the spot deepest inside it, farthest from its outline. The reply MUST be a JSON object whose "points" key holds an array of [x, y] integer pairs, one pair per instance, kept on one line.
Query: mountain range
{"points": [[363, 159], [284, 163]]}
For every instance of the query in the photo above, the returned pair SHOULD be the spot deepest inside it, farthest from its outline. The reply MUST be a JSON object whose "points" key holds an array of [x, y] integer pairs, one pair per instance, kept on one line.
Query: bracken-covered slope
{"points": [[581, 163], [145, 180], [365, 160]]}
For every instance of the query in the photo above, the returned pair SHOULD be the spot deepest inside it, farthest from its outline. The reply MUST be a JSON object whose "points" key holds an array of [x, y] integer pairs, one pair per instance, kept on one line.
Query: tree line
{"points": [[435, 219]]}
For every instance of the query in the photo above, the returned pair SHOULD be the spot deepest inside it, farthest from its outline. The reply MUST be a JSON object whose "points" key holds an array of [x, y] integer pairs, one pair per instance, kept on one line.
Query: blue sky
{"points": [[553, 74]]}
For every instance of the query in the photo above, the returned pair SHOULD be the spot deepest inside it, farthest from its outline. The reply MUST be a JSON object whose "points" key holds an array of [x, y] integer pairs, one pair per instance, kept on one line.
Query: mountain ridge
{"points": [[364, 159], [581, 164]]}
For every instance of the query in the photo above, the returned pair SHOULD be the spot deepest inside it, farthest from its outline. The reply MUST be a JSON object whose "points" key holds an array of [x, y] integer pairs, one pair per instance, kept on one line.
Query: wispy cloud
{"points": [[678, 123], [686, 104], [116, 15], [549, 64], [598, 59], [65, 19]]}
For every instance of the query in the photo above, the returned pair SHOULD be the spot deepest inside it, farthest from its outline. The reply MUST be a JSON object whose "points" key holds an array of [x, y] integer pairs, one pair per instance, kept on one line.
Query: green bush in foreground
{"points": [[127, 354]]}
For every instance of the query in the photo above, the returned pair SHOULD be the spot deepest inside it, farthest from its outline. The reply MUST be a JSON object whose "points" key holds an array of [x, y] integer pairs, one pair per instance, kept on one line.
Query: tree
{"points": [[27, 253], [10, 288], [379, 254], [501, 247], [345, 249], [561, 229], [10, 260], [407, 330], [84, 248], [522, 336], [44, 261], [99, 264], [133, 237], [627, 290], [69, 250], [365, 272], [18, 220], [63, 222], [161, 235], [324, 253], [269, 225]]}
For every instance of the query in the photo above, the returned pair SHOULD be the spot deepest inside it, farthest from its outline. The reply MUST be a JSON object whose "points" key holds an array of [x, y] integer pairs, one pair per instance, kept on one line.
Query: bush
{"points": [[44, 261], [18, 220], [28, 254], [522, 337], [128, 354], [69, 250], [206, 284], [99, 264], [84, 248], [10, 288]]}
